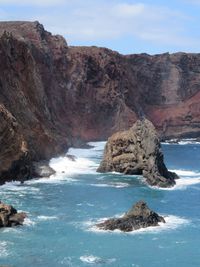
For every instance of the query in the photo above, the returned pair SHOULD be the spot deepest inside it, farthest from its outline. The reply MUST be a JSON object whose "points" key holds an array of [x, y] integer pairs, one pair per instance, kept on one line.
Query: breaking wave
{"points": [[90, 259]]}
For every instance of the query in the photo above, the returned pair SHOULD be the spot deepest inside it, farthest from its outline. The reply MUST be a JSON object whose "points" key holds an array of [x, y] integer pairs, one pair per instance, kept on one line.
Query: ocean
{"points": [[62, 212]]}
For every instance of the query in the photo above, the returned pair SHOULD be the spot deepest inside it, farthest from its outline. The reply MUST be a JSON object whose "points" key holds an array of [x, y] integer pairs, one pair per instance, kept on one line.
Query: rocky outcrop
{"points": [[9, 216], [139, 216], [137, 151], [14, 155], [42, 169], [53, 96]]}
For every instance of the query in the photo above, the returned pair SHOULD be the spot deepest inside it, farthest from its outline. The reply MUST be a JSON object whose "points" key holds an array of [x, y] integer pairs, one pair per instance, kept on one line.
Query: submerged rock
{"points": [[139, 216], [9, 216], [137, 151], [42, 169], [71, 157]]}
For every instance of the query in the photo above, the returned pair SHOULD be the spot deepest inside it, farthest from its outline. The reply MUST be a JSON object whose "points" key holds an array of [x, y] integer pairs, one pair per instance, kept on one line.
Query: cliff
{"points": [[53, 96]]}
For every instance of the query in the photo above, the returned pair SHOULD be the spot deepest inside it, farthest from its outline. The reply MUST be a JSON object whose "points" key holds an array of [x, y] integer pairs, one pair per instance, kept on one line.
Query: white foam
{"points": [[187, 178], [10, 230], [83, 163], [28, 222], [47, 218], [186, 173], [115, 185], [53, 179], [90, 204], [183, 183], [90, 259], [17, 186], [4, 249], [65, 166], [172, 223], [188, 141]]}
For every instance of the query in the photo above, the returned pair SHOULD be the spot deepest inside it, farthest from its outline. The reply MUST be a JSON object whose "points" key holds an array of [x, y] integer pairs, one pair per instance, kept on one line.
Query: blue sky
{"points": [[127, 26]]}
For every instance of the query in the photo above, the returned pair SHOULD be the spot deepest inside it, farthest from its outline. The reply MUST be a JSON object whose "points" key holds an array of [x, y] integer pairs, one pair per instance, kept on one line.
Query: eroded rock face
{"points": [[53, 96], [137, 151], [9, 216], [139, 216], [14, 155]]}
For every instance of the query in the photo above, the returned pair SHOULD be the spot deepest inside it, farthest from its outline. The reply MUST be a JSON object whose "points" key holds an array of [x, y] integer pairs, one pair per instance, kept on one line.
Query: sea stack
{"points": [[139, 216], [137, 151], [9, 216]]}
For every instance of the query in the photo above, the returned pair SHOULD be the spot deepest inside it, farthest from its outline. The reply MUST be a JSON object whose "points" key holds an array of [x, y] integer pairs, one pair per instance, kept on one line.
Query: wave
{"points": [[188, 141], [47, 218], [65, 166], [83, 162], [4, 249], [181, 184], [186, 173], [115, 185], [187, 178], [90, 259], [185, 182], [172, 223], [18, 186], [53, 179], [29, 222]]}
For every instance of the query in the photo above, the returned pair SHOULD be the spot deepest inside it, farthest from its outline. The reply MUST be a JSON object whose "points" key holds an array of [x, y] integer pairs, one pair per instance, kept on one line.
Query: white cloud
{"points": [[128, 10], [39, 3], [105, 20]]}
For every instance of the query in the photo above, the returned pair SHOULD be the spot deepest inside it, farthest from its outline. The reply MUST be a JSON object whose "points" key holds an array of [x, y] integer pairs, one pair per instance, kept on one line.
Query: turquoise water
{"points": [[62, 212]]}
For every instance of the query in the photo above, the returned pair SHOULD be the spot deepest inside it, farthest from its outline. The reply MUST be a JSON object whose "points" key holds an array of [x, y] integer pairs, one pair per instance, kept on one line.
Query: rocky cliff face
{"points": [[53, 96]]}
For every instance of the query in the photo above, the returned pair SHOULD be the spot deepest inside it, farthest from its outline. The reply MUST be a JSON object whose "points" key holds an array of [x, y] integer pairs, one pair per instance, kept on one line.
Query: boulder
{"points": [[42, 169], [139, 216], [71, 157], [137, 151], [9, 216]]}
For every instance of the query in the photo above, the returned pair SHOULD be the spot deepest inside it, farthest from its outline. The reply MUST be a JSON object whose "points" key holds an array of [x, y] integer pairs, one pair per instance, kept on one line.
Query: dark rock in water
{"points": [[42, 169], [139, 216], [137, 151], [9, 216], [71, 157]]}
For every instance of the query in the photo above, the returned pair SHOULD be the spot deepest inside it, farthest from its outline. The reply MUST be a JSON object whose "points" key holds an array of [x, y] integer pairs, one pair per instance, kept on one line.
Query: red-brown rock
{"points": [[53, 96]]}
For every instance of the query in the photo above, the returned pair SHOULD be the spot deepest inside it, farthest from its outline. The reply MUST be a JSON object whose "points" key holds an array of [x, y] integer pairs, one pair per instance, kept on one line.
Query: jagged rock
{"points": [[9, 216], [137, 151], [42, 169], [139, 216]]}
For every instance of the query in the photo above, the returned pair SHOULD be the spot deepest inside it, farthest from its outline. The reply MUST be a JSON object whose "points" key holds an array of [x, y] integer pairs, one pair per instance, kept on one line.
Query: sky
{"points": [[127, 26]]}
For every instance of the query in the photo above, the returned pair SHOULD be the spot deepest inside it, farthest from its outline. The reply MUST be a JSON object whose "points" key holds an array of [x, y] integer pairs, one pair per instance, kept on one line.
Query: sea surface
{"points": [[62, 212]]}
